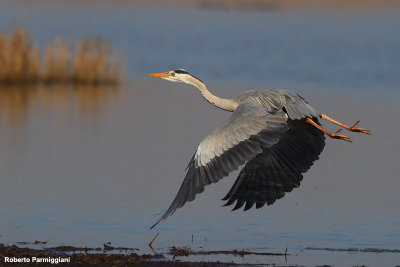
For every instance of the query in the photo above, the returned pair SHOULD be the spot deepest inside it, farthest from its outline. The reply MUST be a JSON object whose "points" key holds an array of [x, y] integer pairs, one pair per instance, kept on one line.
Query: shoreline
{"points": [[18, 256], [125, 256]]}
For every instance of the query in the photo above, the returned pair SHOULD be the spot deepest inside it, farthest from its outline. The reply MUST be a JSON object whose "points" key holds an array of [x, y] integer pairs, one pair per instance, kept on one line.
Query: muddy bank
{"points": [[79, 256]]}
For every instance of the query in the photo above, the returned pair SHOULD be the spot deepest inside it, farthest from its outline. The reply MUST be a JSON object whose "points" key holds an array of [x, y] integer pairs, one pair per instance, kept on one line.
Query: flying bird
{"points": [[275, 134]]}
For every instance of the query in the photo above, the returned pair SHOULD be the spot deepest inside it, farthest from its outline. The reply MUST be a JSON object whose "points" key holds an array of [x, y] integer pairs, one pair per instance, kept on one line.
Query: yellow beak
{"points": [[159, 74]]}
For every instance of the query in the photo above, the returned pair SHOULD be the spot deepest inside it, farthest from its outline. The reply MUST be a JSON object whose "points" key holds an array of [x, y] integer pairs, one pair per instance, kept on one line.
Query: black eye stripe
{"points": [[181, 71], [185, 72]]}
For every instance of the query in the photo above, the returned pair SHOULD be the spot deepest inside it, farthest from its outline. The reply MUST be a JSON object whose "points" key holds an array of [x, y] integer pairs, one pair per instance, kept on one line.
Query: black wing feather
{"points": [[269, 175]]}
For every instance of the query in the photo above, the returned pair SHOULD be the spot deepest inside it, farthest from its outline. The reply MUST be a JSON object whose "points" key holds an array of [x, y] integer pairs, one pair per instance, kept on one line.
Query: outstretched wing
{"points": [[248, 130], [278, 169]]}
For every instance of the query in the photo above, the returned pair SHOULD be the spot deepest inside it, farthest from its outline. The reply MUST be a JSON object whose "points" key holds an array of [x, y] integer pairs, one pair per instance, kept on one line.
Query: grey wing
{"points": [[248, 130], [278, 169], [298, 108]]}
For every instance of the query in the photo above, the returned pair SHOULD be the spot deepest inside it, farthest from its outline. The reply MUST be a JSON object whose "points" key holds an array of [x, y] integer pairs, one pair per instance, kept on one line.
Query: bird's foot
{"points": [[335, 135], [359, 130]]}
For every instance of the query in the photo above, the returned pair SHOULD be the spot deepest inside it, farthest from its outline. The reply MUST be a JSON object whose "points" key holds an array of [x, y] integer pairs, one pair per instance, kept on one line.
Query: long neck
{"points": [[222, 103]]}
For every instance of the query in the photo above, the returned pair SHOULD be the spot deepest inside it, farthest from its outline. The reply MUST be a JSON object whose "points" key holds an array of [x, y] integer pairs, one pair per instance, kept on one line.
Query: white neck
{"points": [[222, 103]]}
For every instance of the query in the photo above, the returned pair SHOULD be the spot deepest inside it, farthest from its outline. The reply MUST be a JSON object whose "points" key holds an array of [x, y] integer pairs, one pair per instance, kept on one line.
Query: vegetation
{"points": [[90, 61]]}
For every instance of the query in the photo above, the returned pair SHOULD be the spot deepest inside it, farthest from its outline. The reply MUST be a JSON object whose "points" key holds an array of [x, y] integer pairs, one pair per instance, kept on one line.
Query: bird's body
{"points": [[291, 103], [276, 134]]}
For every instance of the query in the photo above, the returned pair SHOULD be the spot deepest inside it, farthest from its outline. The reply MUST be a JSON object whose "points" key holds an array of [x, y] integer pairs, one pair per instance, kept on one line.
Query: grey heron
{"points": [[275, 134]]}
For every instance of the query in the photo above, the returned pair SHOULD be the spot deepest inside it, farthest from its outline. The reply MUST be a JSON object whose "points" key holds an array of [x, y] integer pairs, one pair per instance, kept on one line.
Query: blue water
{"points": [[87, 166], [328, 48]]}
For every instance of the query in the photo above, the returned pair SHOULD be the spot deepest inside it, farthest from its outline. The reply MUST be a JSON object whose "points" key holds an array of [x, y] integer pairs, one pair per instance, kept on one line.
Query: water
{"points": [[84, 166]]}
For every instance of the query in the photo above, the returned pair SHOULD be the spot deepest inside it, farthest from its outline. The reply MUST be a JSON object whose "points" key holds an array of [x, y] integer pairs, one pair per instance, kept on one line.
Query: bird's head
{"points": [[179, 75]]}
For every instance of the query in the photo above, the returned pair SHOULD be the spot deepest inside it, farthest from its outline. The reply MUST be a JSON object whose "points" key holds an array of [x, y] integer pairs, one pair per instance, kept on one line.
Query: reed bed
{"points": [[89, 61]]}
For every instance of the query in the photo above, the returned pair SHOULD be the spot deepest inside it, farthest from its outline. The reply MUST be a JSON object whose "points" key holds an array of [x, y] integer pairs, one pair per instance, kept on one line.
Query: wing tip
{"points": [[151, 227], [226, 197], [156, 223]]}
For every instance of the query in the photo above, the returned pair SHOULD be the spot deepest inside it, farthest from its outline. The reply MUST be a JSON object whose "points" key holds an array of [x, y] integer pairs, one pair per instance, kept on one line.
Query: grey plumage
{"points": [[278, 169], [293, 104], [266, 132]]}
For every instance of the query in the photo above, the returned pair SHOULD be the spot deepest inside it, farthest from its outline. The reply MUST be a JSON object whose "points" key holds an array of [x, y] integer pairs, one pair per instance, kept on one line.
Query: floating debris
{"points": [[177, 251]]}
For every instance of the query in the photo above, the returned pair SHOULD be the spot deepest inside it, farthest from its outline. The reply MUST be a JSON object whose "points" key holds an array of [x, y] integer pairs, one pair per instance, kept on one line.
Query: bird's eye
{"points": [[172, 73]]}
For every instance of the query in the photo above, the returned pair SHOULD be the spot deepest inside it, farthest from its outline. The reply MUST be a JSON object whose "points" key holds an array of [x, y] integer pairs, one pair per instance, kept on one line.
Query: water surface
{"points": [[84, 166]]}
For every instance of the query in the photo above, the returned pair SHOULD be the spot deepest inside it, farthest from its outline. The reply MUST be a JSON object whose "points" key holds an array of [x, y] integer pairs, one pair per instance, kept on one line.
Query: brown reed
{"points": [[19, 61], [93, 63], [90, 61], [57, 62]]}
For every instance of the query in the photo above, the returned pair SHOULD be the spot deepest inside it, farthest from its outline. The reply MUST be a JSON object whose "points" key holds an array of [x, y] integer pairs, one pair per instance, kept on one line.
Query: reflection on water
{"points": [[87, 98], [16, 101]]}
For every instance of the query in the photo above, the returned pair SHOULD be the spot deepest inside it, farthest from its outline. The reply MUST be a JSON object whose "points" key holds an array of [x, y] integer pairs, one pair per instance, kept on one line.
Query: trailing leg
{"points": [[352, 128], [334, 135]]}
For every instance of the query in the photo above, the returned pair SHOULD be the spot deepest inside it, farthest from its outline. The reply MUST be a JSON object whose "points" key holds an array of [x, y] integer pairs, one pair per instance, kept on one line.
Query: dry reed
{"points": [[19, 61], [89, 62], [93, 63], [57, 62]]}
